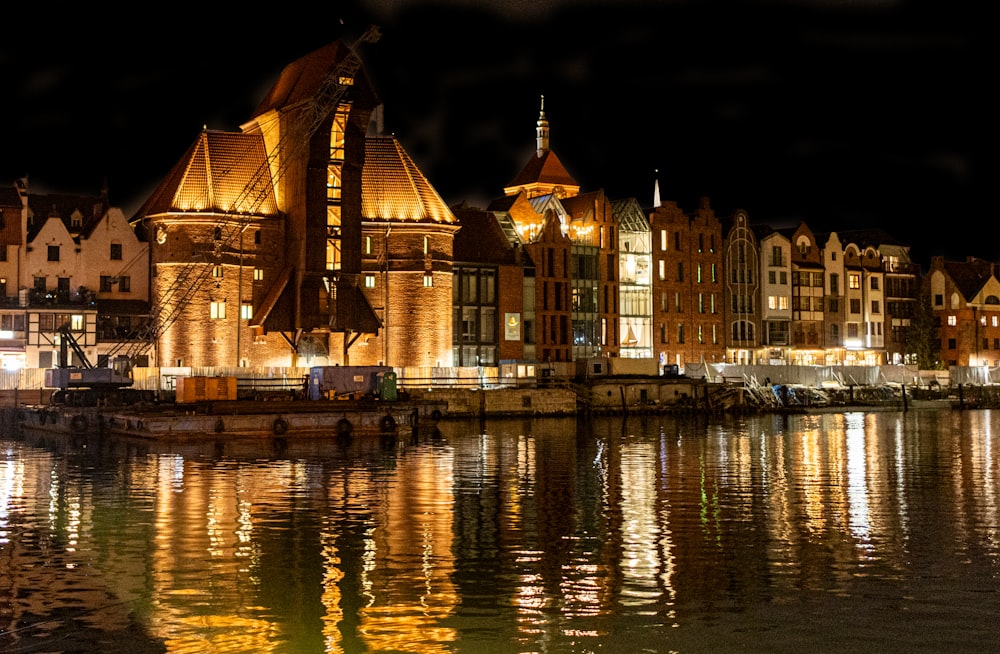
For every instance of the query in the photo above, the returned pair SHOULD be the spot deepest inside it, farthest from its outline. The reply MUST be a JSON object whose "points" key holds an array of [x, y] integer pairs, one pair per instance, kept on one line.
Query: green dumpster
{"points": [[387, 386]]}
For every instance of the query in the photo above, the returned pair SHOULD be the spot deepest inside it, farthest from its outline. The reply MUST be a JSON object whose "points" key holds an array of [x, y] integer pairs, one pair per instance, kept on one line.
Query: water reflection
{"points": [[775, 533]]}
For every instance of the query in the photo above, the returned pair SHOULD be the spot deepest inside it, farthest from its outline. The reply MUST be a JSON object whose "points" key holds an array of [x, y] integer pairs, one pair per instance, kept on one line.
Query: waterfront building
{"points": [[300, 240], [807, 298], [900, 284], [775, 303], [742, 267], [965, 300], [67, 260], [835, 300], [864, 341], [571, 300], [687, 279], [488, 291], [635, 267]]}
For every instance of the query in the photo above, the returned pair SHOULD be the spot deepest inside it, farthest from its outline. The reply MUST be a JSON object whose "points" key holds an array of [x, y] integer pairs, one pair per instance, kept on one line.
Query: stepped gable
{"points": [[222, 172], [393, 188]]}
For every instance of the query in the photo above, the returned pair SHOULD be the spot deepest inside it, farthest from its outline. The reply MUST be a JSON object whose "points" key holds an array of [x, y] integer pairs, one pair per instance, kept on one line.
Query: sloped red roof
{"points": [[300, 80], [222, 172], [393, 188], [544, 169]]}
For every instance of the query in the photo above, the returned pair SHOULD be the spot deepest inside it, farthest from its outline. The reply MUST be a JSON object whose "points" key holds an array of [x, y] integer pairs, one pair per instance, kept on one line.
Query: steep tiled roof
{"points": [[9, 197], [969, 276], [481, 238], [301, 79], [544, 169], [41, 207], [502, 204], [221, 172], [393, 188]]}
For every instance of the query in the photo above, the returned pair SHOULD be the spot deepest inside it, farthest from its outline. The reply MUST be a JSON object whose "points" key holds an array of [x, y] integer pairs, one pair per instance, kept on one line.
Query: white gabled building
{"points": [[68, 260]]}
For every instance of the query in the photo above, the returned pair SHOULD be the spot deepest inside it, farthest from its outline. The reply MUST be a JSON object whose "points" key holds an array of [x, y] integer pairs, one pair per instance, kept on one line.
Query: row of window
{"points": [[107, 284], [994, 321], [53, 252], [701, 333]]}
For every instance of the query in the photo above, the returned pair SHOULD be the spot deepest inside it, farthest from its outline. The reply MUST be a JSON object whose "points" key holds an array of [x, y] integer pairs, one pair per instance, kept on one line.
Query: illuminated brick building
{"points": [[965, 300], [687, 284], [571, 308], [488, 290], [274, 246]]}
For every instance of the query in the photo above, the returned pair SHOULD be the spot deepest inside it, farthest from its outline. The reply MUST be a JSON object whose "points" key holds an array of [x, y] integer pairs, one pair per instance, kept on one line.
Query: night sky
{"points": [[844, 115]]}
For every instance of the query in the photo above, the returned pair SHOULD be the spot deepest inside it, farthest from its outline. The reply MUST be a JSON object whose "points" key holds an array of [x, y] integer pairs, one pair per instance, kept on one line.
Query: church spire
{"points": [[541, 131]]}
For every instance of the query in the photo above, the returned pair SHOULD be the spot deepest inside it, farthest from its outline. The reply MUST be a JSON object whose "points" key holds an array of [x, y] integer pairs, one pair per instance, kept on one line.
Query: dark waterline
{"points": [[821, 533]]}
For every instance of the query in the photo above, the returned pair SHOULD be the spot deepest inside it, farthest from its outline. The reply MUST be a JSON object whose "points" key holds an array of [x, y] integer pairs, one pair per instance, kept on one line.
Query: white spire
{"points": [[656, 190], [541, 131]]}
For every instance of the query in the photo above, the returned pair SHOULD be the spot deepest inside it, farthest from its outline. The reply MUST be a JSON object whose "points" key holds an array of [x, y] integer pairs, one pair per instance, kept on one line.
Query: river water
{"points": [[875, 532]]}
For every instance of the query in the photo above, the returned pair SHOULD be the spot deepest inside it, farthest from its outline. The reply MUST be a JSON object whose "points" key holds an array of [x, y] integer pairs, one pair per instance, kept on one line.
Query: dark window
{"points": [[53, 253], [116, 251]]}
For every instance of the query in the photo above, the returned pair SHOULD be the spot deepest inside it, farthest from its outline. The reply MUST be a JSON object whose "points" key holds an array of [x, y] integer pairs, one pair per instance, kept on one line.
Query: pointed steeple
{"points": [[656, 189], [541, 131]]}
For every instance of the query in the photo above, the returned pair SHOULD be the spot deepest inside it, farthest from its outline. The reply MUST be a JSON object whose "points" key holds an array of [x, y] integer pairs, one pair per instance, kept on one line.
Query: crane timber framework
{"points": [[168, 306]]}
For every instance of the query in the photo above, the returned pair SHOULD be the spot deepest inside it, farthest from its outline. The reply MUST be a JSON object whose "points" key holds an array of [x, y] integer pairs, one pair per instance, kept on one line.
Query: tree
{"points": [[921, 341]]}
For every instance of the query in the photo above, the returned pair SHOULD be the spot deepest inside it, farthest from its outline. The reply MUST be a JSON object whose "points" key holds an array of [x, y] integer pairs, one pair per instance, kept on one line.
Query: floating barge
{"points": [[222, 419]]}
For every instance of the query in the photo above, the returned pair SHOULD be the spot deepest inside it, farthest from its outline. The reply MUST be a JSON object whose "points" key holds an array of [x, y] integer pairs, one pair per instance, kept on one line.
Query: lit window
{"points": [[427, 245], [854, 280], [258, 274], [76, 322], [217, 272], [952, 321], [218, 311], [994, 321], [246, 311], [369, 281], [428, 280], [368, 245]]}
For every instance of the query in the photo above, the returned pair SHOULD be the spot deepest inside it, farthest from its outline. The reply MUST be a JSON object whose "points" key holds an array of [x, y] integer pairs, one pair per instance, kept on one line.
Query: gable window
{"points": [[116, 251], [53, 253]]}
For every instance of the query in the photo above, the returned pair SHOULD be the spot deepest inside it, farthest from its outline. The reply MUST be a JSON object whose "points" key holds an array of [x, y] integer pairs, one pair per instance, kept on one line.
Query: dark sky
{"points": [[842, 114]]}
